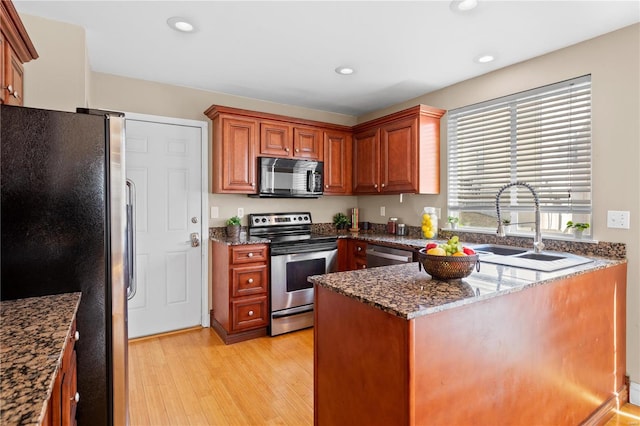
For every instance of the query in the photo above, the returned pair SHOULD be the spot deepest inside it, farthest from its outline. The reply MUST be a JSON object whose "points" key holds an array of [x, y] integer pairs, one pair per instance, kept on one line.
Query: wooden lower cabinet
{"points": [[548, 354], [62, 405], [352, 254], [240, 291]]}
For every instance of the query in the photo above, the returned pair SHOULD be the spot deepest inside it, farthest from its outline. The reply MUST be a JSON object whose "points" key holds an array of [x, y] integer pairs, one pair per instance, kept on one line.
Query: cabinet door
{"points": [[69, 390], [307, 143], [337, 162], [14, 75], [366, 162], [249, 312], [275, 139], [399, 156], [235, 166], [358, 251]]}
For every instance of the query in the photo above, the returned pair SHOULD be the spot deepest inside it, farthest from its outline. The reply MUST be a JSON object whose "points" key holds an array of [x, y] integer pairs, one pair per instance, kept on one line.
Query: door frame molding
{"points": [[204, 223]]}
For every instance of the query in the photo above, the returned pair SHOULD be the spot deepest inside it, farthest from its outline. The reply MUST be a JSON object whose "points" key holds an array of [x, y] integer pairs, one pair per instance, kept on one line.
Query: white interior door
{"points": [[164, 161]]}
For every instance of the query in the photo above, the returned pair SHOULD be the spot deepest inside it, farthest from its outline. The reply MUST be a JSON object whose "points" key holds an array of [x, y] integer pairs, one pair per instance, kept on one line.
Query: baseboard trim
{"points": [[606, 410], [167, 333], [634, 393], [230, 338]]}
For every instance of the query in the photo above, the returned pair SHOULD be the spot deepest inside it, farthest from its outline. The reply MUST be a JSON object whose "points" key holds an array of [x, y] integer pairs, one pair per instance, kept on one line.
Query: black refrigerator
{"points": [[64, 222]]}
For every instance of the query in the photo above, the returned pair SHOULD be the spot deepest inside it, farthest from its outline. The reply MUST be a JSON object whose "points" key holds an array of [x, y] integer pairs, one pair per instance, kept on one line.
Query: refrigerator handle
{"points": [[131, 238]]}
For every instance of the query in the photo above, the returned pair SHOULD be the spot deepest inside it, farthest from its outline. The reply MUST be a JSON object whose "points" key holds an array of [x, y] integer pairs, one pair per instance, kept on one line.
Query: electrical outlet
{"points": [[382, 211], [215, 212], [618, 219], [240, 212]]}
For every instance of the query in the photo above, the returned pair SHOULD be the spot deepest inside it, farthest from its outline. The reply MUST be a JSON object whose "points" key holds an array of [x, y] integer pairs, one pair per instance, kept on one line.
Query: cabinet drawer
{"points": [[248, 280], [359, 249], [248, 253], [360, 263], [249, 312]]}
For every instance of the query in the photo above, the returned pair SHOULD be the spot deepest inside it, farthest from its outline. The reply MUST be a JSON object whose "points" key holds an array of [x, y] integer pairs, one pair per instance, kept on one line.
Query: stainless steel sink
{"points": [[500, 250], [519, 257]]}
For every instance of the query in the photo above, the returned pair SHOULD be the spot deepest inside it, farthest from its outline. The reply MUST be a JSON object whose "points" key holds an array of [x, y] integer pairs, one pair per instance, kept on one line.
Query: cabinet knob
{"points": [[359, 248], [364, 267], [250, 280], [286, 149], [10, 89], [77, 336], [250, 313], [375, 185], [297, 150], [326, 186], [382, 185], [250, 255], [253, 184], [76, 397]]}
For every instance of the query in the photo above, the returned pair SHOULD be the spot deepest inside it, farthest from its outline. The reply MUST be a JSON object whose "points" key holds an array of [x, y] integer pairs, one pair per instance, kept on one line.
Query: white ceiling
{"points": [[286, 52]]}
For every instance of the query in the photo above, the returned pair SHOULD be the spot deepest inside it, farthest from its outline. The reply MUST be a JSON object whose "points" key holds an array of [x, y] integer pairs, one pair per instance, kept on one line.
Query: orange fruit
{"points": [[459, 253]]}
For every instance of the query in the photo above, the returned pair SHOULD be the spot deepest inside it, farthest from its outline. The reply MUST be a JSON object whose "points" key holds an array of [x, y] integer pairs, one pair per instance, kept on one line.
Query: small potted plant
{"points": [[578, 228], [233, 227], [341, 221], [506, 223], [453, 221]]}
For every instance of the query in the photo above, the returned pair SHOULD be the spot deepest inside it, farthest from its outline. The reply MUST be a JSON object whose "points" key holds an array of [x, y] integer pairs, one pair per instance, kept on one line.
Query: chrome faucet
{"points": [[538, 245]]}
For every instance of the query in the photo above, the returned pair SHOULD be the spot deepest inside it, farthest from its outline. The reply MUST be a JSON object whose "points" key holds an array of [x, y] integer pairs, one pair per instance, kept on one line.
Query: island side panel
{"points": [[550, 354], [360, 363]]}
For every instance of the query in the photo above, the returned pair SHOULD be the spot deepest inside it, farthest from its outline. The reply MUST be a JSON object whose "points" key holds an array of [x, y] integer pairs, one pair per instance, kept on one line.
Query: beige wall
{"points": [[613, 60], [57, 79]]}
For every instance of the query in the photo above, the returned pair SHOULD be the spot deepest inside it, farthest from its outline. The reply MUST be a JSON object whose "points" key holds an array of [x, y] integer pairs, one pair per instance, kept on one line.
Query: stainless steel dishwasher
{"points": [[383, 256]]}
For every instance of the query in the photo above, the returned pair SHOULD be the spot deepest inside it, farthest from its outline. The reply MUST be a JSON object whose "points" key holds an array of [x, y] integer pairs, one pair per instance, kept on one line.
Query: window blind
{"points": [[541, 137]]}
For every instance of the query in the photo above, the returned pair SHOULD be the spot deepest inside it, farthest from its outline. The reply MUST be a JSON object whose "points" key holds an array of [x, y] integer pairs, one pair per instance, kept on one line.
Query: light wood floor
{"points": [[192, 378]]}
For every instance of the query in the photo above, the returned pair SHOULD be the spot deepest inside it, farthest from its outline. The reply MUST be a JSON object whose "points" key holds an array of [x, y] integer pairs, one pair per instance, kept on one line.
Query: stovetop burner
{"points": [[285, 229]]}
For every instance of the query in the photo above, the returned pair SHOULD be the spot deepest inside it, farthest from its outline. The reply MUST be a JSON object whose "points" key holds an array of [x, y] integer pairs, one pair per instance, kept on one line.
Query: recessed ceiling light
{"points": [[180, 24], [483, 59], [463, 5], [345, 70]]}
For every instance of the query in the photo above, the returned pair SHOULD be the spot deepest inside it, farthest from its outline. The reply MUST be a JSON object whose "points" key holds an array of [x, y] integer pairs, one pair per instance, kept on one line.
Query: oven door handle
{"points": [[293, 311]]}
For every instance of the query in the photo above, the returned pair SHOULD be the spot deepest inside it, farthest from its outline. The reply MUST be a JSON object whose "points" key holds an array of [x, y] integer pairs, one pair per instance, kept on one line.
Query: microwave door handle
{"points": [[131, 238]]}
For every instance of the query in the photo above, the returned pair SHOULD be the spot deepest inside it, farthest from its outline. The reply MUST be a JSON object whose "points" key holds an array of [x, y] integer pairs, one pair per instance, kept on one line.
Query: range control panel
{"points": [[279, 219]]}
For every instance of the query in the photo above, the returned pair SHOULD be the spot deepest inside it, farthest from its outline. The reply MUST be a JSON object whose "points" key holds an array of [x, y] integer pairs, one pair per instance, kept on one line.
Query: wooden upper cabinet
{"points": [[398, 153], [235, 139], [366, 161], [241, 136], [398, 148], [307, 143], [337, 162], [275, 139], [279, 139], [16, 48]]}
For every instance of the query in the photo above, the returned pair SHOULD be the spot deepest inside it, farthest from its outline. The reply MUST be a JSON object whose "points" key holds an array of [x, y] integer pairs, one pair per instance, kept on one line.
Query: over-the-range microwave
{"points": [[289, 178]]}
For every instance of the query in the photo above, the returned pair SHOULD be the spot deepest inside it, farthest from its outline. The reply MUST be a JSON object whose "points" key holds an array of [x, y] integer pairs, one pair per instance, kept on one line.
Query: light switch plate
{"points": [[240, 212], [215, 212], [618, 219], [382, 211]]}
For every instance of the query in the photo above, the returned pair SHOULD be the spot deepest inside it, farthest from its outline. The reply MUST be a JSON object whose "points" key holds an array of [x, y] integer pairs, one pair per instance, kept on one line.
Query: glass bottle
{"points": [[391, 225], [430, 223]]}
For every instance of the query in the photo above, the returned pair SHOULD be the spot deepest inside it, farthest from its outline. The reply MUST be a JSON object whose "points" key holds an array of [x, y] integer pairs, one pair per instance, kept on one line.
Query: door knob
{"points": [[195, 239]]}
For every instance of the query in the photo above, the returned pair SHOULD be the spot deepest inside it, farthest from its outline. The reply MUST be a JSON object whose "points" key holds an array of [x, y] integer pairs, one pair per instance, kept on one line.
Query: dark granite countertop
{"points": [[407, 292], [33, 333]]}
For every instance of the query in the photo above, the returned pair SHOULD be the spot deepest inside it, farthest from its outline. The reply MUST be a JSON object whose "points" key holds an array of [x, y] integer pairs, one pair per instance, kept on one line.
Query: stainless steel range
{"points": [[296, 253]]}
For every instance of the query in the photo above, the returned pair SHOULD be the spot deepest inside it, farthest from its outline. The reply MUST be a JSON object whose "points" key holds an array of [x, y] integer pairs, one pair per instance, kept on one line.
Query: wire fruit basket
{"points": [[448, 267]]}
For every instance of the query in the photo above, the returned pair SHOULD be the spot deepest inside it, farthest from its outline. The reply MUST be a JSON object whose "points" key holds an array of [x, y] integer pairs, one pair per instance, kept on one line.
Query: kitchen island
{"points": [[502, 346]]}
